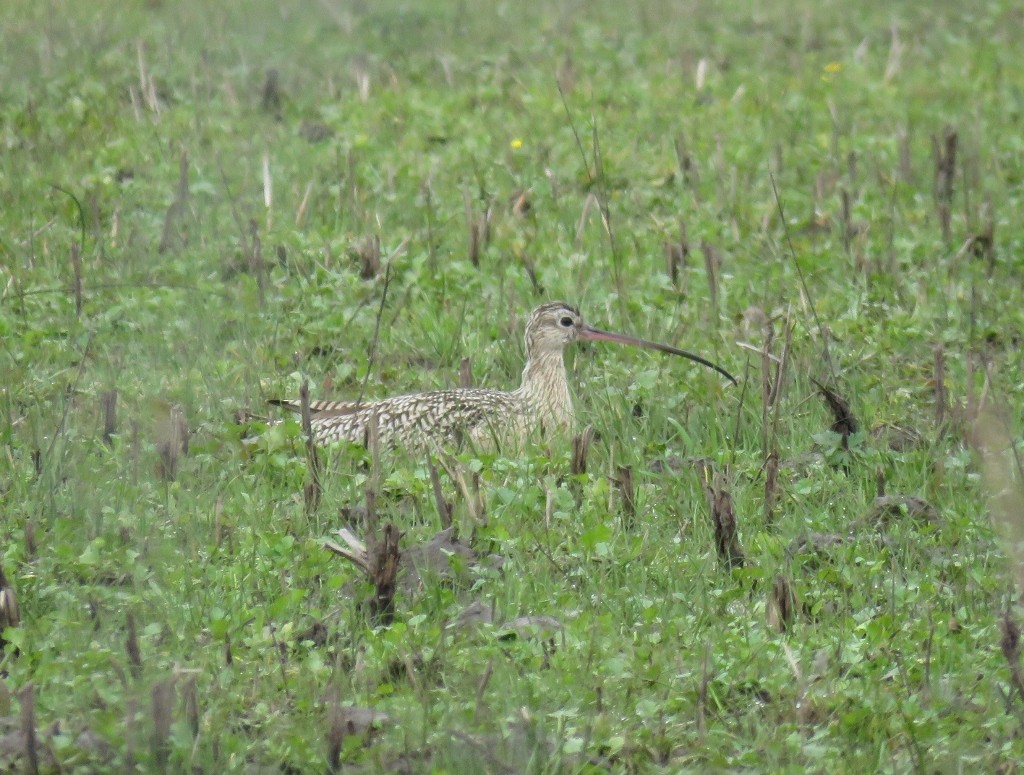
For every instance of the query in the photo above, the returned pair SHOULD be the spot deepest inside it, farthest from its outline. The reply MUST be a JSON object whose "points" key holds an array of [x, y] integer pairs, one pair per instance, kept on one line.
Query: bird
{"points": [[541, 404]]}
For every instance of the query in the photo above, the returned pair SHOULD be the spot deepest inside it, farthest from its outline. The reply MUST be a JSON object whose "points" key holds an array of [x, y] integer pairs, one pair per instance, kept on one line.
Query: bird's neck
{"points": [[546, 387]]}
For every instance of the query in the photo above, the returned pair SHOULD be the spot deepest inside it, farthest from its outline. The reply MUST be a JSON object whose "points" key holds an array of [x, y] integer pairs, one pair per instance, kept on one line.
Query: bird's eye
{"points": [[565, 322]]}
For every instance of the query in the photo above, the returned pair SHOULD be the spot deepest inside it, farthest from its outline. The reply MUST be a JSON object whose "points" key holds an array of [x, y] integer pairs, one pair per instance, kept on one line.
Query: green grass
{"points": [[391, 120]]}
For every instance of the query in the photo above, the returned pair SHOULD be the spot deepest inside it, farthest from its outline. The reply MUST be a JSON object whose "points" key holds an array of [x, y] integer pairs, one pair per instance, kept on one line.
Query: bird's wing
{"points": [[420, 418]]}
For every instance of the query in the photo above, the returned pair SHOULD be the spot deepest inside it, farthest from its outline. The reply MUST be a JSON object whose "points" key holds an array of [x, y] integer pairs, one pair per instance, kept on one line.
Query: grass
{"points": [[191, 619]]}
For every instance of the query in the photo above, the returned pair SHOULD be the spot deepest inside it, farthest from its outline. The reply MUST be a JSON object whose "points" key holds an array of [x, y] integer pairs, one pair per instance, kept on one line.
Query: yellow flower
{"points": [[516, 144], [834, 67]]}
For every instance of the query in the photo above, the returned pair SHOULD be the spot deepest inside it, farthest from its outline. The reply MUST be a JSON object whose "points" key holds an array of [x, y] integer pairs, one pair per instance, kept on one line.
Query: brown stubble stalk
{"points": [[771, 390], [944, 152], [470, 489], [176, 211], [222, 529], [108, 406], [578, 462], [313, 488], [190, 701], [29, 535], [444, 508], [531, 271], [257, 266], [76, 268], [702, 692], [382, 552], [384, 557], [580, 448], [771, 485], [373, 481], [335, 732], [980, 245], [367, 254], [712, 266], [172, 443], [131, 708], [985, 240], [939, 379], [481, 688], [428, 214], [723, 518], [689, 174], [767, 383], [674, 261], [1009, 644], [846, 221], [466, 373], [782, 604], [271, 95], [843, 420], [676, 256], [1003, 478], [27, 696], [478, 228], [131, 647], [162, 706], [624, 481]]}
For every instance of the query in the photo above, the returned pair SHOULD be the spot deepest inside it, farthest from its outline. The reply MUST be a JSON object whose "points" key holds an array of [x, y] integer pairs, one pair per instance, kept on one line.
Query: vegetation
{"points": [[204, 207]]}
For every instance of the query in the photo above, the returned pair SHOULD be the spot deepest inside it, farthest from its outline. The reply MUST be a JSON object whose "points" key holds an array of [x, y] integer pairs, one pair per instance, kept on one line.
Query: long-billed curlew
{"points": [[541, 403]]}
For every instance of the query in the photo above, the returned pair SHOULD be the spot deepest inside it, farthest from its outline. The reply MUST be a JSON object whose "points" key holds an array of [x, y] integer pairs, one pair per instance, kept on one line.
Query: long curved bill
{"points": [[589, 333]]}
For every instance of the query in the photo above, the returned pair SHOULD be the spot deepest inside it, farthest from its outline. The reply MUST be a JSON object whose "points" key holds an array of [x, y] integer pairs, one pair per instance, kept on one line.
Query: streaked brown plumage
{"points": [[542, 403]]}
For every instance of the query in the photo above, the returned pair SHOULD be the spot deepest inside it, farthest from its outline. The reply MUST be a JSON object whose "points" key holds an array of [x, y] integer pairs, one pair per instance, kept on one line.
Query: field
{"points": [[202, 208]]}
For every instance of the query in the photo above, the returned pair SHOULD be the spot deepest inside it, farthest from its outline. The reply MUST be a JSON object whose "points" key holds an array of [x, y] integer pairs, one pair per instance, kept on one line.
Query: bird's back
{"points": [[419, 420]]}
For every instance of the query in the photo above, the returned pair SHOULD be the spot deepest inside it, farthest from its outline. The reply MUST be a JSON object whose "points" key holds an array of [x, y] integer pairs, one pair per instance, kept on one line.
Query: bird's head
{"points": [[555, 325], [552, 327]]}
